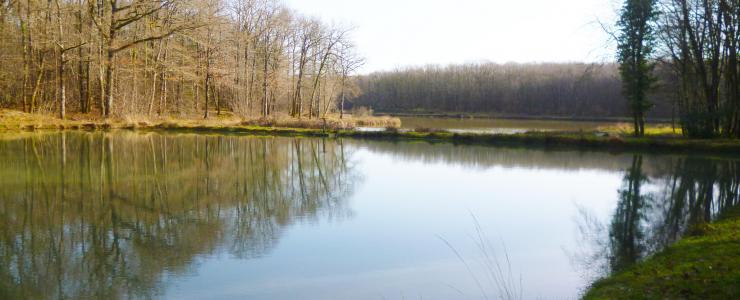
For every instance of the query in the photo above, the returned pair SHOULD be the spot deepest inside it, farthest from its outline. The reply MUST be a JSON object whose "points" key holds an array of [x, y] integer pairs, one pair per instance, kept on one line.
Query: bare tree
{"points": [[141, 57], [348, 63]]}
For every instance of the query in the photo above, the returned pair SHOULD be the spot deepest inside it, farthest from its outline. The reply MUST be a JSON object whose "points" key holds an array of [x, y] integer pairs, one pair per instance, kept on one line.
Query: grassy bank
{"points": [[15, 120], [609, 140], [469, 115], [705, 265], [588, 140]]}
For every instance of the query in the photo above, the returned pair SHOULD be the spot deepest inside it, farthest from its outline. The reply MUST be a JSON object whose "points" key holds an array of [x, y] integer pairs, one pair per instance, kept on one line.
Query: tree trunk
{"points": [[62, 89], [26, 41], [82, 71], [163, 92], [207, 88], [109, 62], [60, 65], [217, 95], [155, 77], [108, 100], [341, 103], [37, 85]]}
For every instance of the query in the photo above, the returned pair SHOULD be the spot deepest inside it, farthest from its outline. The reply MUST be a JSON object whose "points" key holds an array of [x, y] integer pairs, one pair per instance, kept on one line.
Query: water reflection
{"points": [[93, 215], [652, 212], [625, 234], [122, 214], [486, 157], [498, 126], [661, 196]]}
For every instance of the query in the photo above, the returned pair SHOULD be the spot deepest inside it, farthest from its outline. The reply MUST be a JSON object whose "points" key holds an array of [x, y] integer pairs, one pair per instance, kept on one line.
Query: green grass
{"points": [[703, 266], [651, 130]]}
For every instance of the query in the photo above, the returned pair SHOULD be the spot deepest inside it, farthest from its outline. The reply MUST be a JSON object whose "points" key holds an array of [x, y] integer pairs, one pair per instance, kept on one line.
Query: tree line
{"points": [[548, 89], [700, 39], [675, 58], [167, 57]]}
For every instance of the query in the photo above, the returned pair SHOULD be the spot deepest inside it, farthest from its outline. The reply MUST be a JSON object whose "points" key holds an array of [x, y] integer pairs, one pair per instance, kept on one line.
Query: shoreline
{"points": [[479, 116], [577, 140], [712, 241], [703, 264], [610, 138]]}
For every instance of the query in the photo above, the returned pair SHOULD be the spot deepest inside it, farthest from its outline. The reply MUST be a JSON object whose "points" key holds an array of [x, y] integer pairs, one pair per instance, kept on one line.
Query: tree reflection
{"points": [[697, 192], [92, 215], [654, 212], [626, 234]]}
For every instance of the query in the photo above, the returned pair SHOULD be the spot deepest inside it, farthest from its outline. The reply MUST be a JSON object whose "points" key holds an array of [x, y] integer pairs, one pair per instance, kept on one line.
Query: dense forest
{"points": [[567, 90], [677, 58], [144, 58]]}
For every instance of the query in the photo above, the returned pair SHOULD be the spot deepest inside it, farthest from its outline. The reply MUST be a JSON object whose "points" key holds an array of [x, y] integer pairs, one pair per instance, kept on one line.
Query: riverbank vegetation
{"points": [[582, 140], [699, 203], [15, 120], [705, 265], [615, 138], [701, 39], [134, 59]]}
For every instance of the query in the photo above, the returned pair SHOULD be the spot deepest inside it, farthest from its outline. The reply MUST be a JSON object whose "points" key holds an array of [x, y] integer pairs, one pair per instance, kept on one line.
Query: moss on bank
{"points": [[705, 265]]}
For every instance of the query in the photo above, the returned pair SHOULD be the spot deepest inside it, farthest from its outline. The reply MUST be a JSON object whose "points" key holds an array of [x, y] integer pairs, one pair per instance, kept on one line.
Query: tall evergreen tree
{"points": [[635, 46]]}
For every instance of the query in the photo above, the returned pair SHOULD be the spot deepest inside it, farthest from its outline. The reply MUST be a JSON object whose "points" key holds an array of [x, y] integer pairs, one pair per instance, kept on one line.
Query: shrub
{"points": [[362, 111]]}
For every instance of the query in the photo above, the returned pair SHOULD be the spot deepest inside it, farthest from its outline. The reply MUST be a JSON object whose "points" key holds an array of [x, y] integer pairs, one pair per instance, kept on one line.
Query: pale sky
{"points": [[400, 33]]}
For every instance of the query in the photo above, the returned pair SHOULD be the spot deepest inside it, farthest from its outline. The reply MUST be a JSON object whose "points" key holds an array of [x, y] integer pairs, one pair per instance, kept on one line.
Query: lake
{"points": [[499, 126], [186, 216]]}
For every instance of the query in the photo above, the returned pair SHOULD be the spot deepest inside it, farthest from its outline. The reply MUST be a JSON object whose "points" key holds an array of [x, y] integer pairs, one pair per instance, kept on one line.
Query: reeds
{"points": [[498, 271], [10, 119]]}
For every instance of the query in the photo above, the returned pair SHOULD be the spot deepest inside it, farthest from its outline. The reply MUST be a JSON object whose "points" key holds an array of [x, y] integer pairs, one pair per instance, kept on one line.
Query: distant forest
{"points": [[576, 90]]}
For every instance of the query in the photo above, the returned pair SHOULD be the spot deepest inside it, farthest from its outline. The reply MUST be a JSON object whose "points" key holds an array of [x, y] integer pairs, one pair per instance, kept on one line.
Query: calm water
{"points": [[122, 214], [499, 126]]}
